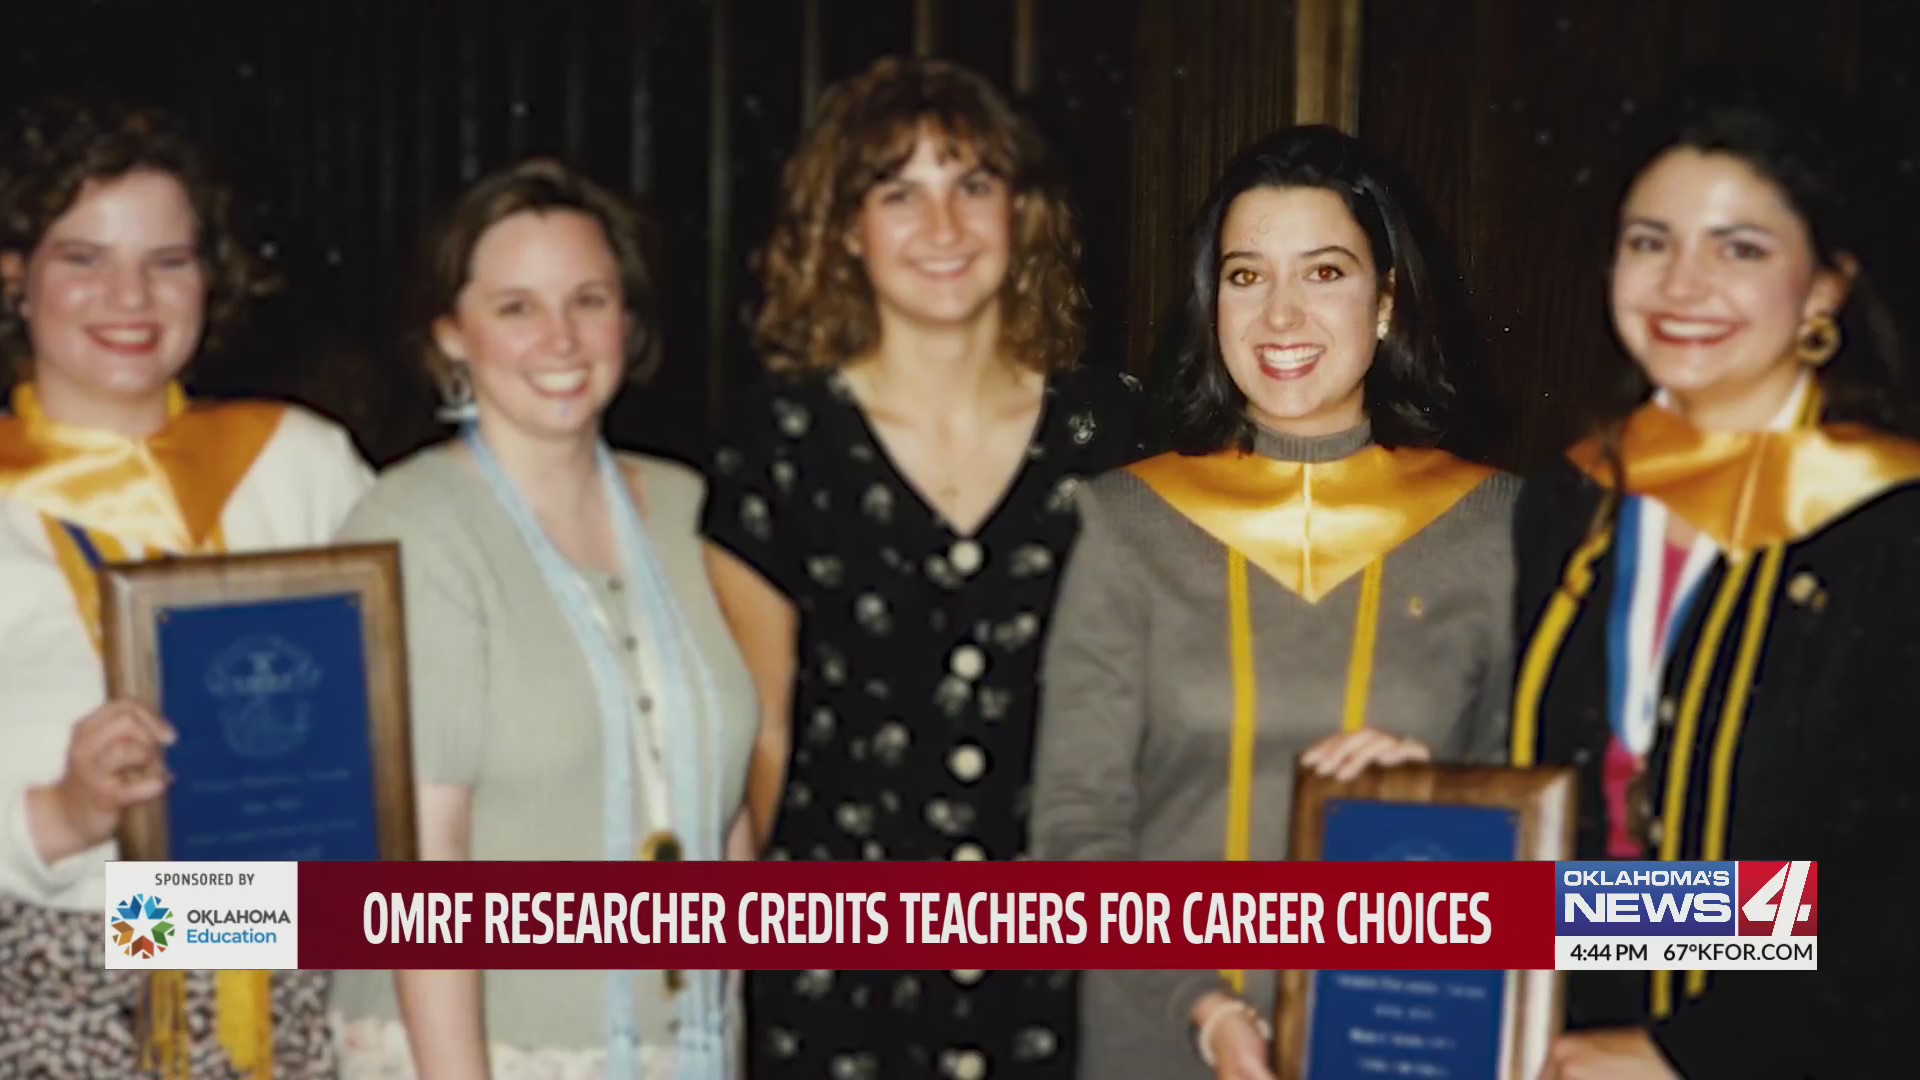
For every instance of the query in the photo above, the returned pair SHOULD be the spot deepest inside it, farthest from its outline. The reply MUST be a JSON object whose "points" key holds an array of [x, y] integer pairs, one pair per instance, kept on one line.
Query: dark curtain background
{"points": [[345, 125]]}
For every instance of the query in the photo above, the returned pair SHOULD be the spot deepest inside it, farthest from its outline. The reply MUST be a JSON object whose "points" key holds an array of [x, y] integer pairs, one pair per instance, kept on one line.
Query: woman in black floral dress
{"points": [[887, 521]]}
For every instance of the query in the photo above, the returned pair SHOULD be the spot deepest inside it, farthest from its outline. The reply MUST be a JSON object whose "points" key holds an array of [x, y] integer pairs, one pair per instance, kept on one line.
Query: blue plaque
{"points": [[284, 675], [1424, 1025], [255, 690], [1427, 1025]]}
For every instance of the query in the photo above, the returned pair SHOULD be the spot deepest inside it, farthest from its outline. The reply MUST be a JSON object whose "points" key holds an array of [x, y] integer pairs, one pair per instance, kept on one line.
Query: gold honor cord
{"points": [[1240, 645], [1680, 754], [1547, 641], [1240, 763], [1733, 710], [1733, 717], [1366, 628]]}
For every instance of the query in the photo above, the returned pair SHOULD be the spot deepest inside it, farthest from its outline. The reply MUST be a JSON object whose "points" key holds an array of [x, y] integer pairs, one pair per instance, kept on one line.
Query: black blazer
{"points": [[1824, 769]]}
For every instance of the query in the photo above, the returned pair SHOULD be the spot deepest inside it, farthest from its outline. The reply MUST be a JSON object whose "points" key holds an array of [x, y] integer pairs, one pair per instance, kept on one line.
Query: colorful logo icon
{"points": [[141, 928]]}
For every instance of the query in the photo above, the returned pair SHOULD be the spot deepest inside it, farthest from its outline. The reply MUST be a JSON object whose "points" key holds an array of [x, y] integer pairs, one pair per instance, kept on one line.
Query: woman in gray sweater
{"points": [[1307, 577]]}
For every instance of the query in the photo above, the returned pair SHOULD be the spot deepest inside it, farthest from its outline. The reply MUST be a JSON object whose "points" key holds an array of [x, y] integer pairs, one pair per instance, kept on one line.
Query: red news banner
{"points": [[891, 916]]}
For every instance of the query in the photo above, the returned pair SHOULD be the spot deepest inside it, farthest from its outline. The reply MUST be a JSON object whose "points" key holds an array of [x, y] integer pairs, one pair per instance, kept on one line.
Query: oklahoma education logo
{"points": [[141, 928]]}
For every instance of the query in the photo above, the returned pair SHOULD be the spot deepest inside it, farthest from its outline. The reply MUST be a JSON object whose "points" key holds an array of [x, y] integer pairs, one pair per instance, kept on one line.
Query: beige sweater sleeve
{"points": [[441, 574]]}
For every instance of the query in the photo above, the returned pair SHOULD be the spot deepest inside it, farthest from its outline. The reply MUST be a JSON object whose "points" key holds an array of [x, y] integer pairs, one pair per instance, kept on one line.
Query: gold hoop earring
{"points": [[1817, 341]]}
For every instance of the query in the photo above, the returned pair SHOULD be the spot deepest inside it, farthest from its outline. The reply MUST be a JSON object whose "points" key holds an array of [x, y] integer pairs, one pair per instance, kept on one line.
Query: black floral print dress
{"points": [[914, 703]]}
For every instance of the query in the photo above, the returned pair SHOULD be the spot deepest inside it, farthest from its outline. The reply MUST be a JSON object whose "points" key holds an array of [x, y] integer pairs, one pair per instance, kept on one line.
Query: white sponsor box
{"points": [[201, 916], [1686, 954]]}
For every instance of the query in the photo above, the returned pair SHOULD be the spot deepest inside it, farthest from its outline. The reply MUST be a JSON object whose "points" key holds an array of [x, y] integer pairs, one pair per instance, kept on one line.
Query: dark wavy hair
{"points": [[1799, 138], [66, 145], [819, 310], [1412, 397]]}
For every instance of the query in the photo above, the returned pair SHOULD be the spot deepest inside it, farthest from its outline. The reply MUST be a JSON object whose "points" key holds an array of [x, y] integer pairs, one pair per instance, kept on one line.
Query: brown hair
{"points": [[64, 147], [819, 310], [538, 186]]}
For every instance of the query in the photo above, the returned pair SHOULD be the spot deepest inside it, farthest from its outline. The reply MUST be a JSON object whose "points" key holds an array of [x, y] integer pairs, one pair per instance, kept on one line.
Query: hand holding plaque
{"points": [[284, 676], [114, 761], [1457, 1025], [1347, 755]]}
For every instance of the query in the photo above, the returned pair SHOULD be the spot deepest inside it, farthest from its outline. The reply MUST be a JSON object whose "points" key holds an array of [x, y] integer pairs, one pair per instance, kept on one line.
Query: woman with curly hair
{"points": [[120, 266], [886, 524]]}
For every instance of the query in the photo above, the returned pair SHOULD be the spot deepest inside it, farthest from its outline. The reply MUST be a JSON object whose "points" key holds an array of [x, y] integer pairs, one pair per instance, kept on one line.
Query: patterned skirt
{"points": [[62, 1017]]}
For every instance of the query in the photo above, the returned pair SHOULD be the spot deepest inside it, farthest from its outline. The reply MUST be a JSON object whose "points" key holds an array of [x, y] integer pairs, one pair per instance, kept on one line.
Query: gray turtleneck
{"points": [[1137, 696]]}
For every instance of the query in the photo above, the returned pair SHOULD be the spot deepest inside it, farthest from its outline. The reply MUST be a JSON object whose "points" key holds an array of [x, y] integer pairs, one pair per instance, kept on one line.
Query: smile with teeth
{"points": [[135, 338], [559, 382], [1691, 331], [943, 267], [1287, 359]]}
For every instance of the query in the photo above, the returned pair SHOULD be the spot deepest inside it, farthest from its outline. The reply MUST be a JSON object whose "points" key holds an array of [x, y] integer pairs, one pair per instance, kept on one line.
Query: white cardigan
{"points": [[308, 476]]}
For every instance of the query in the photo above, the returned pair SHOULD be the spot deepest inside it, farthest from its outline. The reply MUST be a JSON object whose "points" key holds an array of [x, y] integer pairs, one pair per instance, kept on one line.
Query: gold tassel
{"points": [[166, 1051], [1366, 628], [1733, 718], [1240, 766], [243, 1010], [1543, 650], [1240, 645]]}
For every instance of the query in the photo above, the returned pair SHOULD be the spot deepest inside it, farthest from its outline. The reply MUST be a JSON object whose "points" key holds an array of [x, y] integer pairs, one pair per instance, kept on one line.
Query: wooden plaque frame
{"points": [[135, 596], [1544, 799]]}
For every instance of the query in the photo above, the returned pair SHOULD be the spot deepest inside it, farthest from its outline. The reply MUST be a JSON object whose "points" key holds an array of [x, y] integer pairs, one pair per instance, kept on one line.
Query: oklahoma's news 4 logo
{"points": [[1689, 899], [1779, 899], [141, 927]]}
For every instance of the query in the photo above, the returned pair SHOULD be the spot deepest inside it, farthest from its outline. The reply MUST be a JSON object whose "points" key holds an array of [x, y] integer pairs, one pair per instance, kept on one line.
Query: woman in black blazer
{"points": [[1719, 597]]}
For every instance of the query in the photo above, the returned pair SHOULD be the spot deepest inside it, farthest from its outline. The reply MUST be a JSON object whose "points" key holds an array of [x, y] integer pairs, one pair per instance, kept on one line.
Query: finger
{"points": [[1403, 752], [97, 729], [163, 732], [128, 753], [1391, 750], [1342, 749], [1364, 752], [1318, 753], [116, 726], [1249, 1066], [142, 790]]}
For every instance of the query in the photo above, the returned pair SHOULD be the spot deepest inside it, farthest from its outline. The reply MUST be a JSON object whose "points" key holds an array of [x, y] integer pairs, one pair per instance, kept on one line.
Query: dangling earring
{"points": [[456, 396], [1817, 341]]}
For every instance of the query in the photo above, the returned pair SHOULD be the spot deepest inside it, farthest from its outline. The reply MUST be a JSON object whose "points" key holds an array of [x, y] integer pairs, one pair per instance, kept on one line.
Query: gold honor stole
{"points": [[1752, 494], [107, 498], [1311, 527]]}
